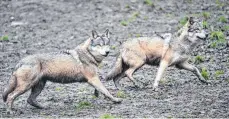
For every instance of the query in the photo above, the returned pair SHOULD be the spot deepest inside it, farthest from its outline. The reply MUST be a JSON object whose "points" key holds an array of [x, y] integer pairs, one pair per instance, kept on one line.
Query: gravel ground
{"points": [[37, 26]]}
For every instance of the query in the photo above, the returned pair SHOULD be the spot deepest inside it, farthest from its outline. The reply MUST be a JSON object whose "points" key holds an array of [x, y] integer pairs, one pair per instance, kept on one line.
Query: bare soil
{"points": [[38, 26]]}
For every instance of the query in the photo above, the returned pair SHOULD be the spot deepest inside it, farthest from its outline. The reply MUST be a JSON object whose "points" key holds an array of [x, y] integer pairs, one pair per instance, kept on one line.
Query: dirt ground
{"points": [[37, 26]]}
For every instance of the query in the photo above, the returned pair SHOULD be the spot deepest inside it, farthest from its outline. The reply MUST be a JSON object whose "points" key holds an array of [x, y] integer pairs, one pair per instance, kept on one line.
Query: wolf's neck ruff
{"points": [[86, 57]]}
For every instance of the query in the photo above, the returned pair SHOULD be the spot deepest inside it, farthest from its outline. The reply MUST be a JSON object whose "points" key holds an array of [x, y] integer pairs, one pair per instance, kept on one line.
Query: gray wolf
{"points": [[77, 65], [160, 51]]}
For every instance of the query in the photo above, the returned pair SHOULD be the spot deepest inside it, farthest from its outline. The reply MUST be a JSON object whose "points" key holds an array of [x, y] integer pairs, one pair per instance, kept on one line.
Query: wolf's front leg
{"points": [[94, 81], [160, 72], [185, 65]]}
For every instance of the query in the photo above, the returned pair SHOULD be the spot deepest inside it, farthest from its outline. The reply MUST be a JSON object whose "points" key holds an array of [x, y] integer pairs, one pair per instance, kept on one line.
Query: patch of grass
{"points": [[58, 89], [113, 47], [107, 116], [219, 73], [124, 23], [199, 59], [4, 38], [94, 97], [130, 35], [225, 28], [206, 15], [133, 16], [189, 1], [223, 19], [136, 14], [121, 94], [149, 2], [227, 80], [218, 35], [205, 73], [146, 18], [138, 35], [213, 44], [183, 21], [170, 117], [127, 6], [205, 24], [131, 19], [219, 4], [83, 105], [218, 38]]}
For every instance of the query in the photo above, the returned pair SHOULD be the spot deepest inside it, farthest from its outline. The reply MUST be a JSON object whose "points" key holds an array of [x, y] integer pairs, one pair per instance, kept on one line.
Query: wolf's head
{"points": [[99, 45], [195, 29]]}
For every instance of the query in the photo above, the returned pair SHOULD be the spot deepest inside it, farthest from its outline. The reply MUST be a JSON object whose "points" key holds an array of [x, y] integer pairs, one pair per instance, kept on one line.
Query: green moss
{"points": [[219, 73], [183, 21], [113, 47], [146, 18], [205, 73], [218, 38], [136, 14], [199, 59], [189, 1], [213, 44], [206, 15], [58, 89], [149, 2], [223, 19], [219, 4], [205, 24], [127, 6], [218, 35], [121, 94], [124, 23], [107, 116], [226, 28], [83, 105], [5, 38], [138, 35]]}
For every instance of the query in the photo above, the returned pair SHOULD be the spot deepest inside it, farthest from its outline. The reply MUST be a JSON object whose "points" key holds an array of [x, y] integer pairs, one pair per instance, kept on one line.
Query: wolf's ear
{"points": [[107, 33], [94, 34]]}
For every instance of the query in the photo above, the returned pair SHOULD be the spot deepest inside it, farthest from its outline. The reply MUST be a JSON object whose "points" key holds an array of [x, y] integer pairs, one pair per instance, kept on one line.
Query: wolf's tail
{"points": [[10, 88], [116, 70]]}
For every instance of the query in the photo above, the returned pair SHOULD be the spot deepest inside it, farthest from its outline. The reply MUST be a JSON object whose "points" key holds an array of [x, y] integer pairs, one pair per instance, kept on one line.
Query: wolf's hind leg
{"points": [[36, 90], [185, 65], [20, 89], [129, 72]]}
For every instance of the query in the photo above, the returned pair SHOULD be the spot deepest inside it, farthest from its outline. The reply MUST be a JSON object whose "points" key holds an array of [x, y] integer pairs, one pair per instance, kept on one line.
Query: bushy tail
{"points": [[116, 70], [10, 88]]}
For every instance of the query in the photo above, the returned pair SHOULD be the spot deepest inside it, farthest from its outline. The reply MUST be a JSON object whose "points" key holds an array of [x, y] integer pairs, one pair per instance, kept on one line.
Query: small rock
{"points": [[17, 23]]}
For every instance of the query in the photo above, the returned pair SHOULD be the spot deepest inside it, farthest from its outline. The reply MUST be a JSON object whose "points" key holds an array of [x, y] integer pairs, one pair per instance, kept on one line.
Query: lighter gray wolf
{"points": [[160, 51], [77, 65]]}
